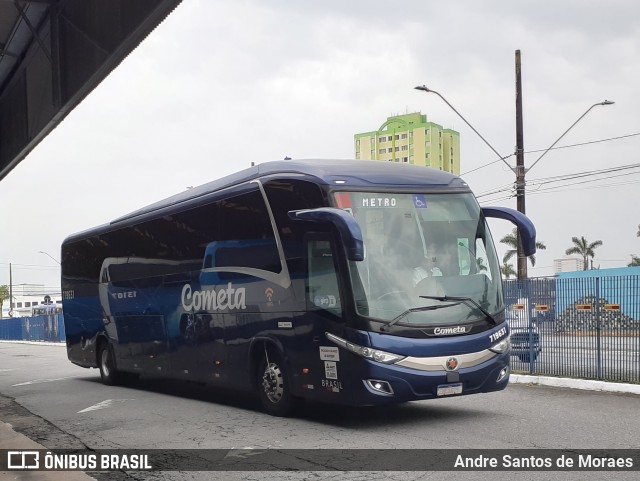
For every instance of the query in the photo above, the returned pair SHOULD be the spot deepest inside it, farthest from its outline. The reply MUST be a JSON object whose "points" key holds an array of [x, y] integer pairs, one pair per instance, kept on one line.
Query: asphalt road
{"points": [[71, 408]]}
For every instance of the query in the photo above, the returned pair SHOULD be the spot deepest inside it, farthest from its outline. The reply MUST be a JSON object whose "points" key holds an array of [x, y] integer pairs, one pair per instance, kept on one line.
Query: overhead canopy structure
{"points": [[53, 53]]}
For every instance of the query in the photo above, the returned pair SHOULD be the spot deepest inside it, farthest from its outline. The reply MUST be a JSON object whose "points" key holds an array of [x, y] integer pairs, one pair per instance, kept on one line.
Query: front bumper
{"points": [[408, 384]]}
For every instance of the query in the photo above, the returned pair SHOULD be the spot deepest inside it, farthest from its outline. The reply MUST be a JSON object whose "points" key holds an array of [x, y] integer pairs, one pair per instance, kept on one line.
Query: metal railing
{"points": [[584, 327], [37, 328]]}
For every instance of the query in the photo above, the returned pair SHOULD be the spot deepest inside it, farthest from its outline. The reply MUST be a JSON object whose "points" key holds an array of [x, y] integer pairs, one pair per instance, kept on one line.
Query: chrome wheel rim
{"points": [[273, 383], [104, 362]]}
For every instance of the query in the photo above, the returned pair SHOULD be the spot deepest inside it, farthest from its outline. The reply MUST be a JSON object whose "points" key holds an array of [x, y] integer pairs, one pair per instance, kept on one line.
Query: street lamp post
{"points": [[520, 171], [605, 102], [424, 88], [50, 256], [545, 152]]}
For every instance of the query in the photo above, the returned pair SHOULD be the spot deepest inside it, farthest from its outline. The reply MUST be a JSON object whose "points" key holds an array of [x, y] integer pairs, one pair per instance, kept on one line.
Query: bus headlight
{"points": [[366, 352], [502, 346]]}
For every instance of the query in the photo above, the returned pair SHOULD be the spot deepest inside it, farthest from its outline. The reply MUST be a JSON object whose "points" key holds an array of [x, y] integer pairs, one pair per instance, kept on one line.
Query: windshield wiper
{"points": [[465, 300], [414, 309]]}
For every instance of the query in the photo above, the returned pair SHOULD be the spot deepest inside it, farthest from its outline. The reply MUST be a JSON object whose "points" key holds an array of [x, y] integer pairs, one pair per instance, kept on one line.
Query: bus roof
{"points": [[357, 174]]}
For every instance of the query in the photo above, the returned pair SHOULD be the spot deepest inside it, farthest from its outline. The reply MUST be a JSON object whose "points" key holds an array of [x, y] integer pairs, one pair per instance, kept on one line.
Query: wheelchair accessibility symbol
{"points": [[419, 202]]}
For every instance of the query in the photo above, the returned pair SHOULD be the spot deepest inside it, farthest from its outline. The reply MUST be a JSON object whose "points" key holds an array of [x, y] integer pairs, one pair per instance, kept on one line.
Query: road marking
{"points": [[39, 381], [103, 405], [242, 453], [7, 370]]}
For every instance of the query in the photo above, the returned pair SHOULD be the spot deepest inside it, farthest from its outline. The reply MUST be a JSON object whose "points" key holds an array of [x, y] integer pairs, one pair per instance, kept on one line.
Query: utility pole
{"points": [[520, 170], [10, 289]]}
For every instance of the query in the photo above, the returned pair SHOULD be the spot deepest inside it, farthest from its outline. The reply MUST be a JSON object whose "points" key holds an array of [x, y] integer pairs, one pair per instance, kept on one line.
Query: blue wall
{"points": [[614, 286], [37, 328]]}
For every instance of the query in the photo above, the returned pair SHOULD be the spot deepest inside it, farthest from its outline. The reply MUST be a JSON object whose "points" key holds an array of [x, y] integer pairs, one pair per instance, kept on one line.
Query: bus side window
{"points": [[323, 289]]}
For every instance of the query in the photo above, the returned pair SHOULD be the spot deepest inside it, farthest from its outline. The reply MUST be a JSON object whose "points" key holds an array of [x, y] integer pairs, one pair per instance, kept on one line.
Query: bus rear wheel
{"points": [[106, 363], [273, 386]]}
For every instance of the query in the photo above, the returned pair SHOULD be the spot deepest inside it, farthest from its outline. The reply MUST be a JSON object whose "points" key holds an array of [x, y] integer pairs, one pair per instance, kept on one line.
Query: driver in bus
{"points": [[427, 268]]}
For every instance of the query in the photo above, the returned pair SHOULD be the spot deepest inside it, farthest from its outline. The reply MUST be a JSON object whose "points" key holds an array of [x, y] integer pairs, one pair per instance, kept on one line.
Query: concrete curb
{"points": [[36, 343], [584, 384]]}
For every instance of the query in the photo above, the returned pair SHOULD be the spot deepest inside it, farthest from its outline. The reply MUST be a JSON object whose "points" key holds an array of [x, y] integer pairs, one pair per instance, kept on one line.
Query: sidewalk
{"points": [[9, 439]]}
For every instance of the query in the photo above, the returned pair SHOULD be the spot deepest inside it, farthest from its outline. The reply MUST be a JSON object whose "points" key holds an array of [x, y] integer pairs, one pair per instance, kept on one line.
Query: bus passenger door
{"points": [[134, 323], [327, 378]]}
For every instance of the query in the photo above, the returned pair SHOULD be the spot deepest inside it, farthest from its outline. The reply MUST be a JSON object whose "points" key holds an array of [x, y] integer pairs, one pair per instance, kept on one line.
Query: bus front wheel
{"points": [[273, 386], [110, 376]]}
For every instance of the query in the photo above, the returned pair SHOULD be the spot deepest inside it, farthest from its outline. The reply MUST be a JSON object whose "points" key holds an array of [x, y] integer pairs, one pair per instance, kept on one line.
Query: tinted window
{"points": [[287, 195], [246, 235], [323, 291], [181, 239], [245, 217]]}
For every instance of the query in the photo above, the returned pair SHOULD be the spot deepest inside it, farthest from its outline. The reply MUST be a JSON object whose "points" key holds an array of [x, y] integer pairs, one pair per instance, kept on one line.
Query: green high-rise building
{"points": [[411, 139]]}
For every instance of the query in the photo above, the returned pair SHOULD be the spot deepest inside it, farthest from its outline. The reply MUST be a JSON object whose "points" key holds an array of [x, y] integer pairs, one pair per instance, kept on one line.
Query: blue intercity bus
{"points": [[348, 282]]}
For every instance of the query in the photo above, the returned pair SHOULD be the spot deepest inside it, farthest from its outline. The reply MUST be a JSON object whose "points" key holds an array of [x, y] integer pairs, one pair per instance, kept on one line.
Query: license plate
{"points": [[449, 389]]}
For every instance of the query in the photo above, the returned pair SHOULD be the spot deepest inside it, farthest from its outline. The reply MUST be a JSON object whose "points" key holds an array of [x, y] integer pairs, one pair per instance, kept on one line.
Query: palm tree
{"points": [[4, 294], [507, 270], [511, 240], [582, 247], [635, 261]]}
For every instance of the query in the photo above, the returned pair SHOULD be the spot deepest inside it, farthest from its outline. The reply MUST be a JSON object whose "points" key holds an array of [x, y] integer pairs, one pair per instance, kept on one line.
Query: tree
{"points": [[583, 248], [638, 233], [511, 241], [4, 294], [635, 261], [507, 270]]}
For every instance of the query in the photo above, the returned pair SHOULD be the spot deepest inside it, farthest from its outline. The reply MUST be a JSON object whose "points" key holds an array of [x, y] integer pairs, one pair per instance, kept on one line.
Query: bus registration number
{"points": [[449, 389]]}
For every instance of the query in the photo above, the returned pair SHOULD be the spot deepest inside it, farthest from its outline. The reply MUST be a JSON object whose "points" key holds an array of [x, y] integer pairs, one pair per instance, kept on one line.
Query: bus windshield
{"points": [[429, 258]]}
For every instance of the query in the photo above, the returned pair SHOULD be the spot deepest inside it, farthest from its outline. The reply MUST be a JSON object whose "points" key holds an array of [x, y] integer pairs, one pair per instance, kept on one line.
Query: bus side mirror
{"points": [[347, 226], [522, 222]]}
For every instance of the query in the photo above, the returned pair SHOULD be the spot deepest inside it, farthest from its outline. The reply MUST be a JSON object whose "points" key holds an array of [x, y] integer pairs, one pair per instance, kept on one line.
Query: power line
{"points": [[497, 190], [555, 148], [585, 143], [563, 178], [556, 190], [488, 164], [580, 182], [561, 188], [29, 266], [577, 175]]}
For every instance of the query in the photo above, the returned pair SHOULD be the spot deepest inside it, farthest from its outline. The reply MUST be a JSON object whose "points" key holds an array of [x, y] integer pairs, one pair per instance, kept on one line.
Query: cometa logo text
{"points": [[447, 331], [212, 300]]}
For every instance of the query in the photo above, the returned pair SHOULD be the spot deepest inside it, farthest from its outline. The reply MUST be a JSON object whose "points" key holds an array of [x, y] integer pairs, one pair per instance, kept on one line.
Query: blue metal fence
{"points": [[583, 325], [48, 327]]}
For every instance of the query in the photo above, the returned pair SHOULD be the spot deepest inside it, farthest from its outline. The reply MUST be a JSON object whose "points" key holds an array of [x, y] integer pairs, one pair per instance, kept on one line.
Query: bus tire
{"points": [[273, 387], [106, 363]]}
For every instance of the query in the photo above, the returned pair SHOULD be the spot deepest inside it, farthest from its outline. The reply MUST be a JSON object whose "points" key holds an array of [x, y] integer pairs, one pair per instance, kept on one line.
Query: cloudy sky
{"points": [[221, 84]]}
